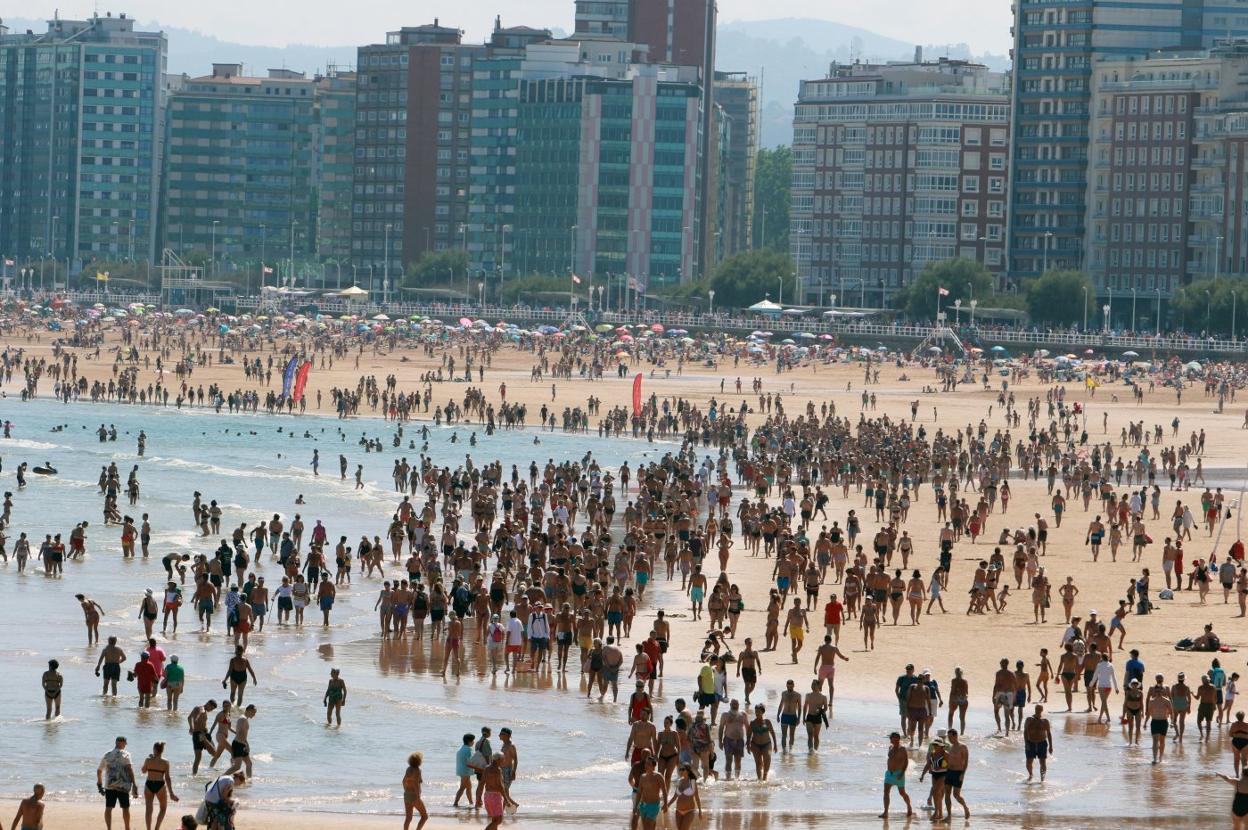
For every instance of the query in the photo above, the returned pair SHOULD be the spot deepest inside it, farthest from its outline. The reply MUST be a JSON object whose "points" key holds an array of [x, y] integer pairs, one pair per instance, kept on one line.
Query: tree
{"points": [[1209, 305], [1059, 296], [964, 279], [773, 178], [745, 278], [437, 268]]}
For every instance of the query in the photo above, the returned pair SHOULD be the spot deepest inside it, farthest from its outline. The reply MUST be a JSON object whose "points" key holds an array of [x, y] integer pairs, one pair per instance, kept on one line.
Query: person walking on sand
{"points": [[159, 785], [114, 778], [30, 810], [412, 801]]}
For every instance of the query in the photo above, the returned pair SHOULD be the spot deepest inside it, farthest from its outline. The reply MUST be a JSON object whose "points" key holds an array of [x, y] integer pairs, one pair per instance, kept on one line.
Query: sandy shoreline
{"points": [[941, 641]]}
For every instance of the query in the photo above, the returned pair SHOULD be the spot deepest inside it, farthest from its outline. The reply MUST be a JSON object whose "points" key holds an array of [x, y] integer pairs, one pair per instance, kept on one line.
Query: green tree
{"points": [[437, 268], [1208, 305], [773, 178], [1059, 297], [541, 289], [964, 279], [745, 278]]}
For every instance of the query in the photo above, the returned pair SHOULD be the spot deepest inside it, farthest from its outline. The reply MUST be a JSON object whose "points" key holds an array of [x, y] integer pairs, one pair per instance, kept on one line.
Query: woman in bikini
{"points": [[762, 742], [915, 594], [685, 796], [159, 784], [668, 744]]}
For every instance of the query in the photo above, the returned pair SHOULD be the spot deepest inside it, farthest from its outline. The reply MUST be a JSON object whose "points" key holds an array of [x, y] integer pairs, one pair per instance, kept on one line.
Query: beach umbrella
{"points": [[827, 337], [934, 349], [787, 342], [380, 317], [976, 350], [805, 335], [1130, 354], [657, 328], [1193, 366], [212, 310], [998, 348], [1089, 351], [604, 327], [757, 334]]}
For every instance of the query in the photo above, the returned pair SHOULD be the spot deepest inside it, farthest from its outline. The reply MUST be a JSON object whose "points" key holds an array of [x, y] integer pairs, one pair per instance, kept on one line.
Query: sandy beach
{"points": [[942, 641]]}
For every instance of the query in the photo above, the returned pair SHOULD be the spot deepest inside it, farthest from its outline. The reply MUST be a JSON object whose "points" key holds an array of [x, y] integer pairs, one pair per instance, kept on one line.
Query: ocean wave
{"points": [[29, 444]]}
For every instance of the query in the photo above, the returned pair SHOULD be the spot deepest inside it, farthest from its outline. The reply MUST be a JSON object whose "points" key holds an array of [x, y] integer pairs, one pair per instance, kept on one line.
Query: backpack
{"points": [[497, 634]]}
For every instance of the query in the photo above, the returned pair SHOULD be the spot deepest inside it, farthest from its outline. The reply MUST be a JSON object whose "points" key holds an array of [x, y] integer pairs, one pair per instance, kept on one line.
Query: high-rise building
{"points": [[606, 183], [81, 126], [1169, 141], [335, 165], [488, 235], [602, 18], [413, 136], [250, 163], [1056, 46], [895, 166], [736, 96]]}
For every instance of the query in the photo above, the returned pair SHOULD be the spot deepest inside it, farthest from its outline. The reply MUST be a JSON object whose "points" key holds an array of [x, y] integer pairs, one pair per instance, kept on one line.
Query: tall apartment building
{"points": [[1056, 46], [250, 163], [81, 126], [335, 164], [736, 97], [679, 33], [606, 178], [895, 166], [412, 143], [491, 190], [1169, 145]]}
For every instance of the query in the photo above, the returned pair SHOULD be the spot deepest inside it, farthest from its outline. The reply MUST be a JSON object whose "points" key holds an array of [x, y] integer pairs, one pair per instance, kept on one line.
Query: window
{"points": [[970, 208], [970, 184]]}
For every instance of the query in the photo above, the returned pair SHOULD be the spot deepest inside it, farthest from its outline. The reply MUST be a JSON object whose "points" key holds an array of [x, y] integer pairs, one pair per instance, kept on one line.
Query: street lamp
{"points": [[1208, 306], [1158, 321], [264, 238], [1217, 257], [1105, 311], [212, 261], [481, 294], [385, 276], [957, 312], [1234, 298], [1047, 236], [711, 295], [976, 302], [1085, 309]]}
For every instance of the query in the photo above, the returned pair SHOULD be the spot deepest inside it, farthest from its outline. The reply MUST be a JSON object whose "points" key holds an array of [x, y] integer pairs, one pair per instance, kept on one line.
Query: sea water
{"points": [[572, 765]]}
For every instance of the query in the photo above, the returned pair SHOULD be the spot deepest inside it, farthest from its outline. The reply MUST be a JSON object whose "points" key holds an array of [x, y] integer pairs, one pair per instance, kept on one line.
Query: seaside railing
{"points": [[782, 326]]}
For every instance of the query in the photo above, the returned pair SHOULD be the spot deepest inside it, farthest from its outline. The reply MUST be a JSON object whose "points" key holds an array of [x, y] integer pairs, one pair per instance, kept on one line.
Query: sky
{"points": [[983, 25]]}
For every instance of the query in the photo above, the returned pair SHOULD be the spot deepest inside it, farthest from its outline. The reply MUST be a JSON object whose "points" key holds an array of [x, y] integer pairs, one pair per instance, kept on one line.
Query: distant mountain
{"points": [[194, 52], [782, 53]]}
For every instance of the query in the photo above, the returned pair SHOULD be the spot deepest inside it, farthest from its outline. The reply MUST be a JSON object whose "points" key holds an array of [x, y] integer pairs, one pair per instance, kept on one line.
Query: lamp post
{"points": [[132, 238], [290, 276], [1085, 309], [385, 274], [975, 303], [711, 294], [957, 312], [1208, 306], [1234, 299], [1133, 317], [1105, 311], [212, 259], [1217, 259], [1158, 320], [481, 294], [780, 293], [264, 238], [1047, 236], [502, 262]]}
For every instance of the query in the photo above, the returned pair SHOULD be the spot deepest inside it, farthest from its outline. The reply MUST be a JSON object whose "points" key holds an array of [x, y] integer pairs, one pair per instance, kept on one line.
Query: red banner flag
{"points": [[301, 380], [637, 394]]}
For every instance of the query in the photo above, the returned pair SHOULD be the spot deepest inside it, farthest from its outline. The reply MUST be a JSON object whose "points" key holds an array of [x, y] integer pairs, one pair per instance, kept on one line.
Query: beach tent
{"points": [[766, 307], [354, 294]]}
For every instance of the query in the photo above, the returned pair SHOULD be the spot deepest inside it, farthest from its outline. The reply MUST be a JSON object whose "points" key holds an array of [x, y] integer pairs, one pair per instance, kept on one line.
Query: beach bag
{"points": [[478, 761], [1166, 593]]}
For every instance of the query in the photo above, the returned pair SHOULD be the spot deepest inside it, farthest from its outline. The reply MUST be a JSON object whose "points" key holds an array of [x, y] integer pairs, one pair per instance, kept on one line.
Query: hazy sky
{"points": [[984, 25]]}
